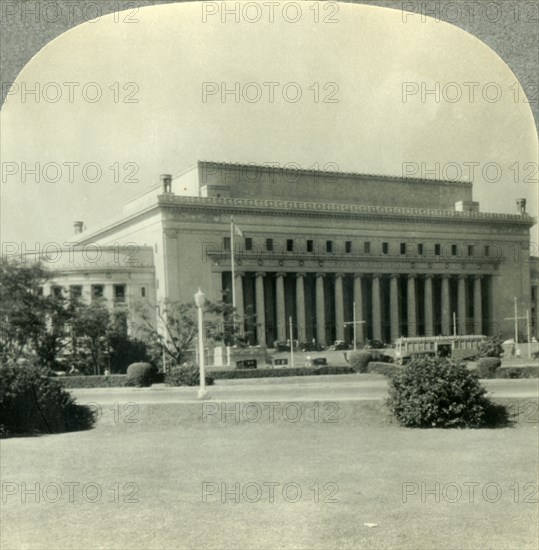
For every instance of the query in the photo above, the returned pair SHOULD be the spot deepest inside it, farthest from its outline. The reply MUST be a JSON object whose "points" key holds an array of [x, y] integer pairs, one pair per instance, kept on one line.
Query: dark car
{"points": [[339, 345], [310, 346], [375, 344]]}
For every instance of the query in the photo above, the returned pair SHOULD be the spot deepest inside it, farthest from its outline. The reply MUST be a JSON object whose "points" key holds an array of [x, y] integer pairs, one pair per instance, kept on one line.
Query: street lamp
{"points": [[200, 300]]}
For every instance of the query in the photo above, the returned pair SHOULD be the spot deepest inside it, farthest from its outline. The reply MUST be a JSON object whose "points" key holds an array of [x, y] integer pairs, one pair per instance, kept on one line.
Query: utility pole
{"points": [[354, 323], [516, 319]]}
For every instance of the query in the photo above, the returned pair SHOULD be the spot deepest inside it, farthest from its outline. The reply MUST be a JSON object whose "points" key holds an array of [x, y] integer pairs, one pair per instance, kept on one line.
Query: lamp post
{"points": [[200, 299]]}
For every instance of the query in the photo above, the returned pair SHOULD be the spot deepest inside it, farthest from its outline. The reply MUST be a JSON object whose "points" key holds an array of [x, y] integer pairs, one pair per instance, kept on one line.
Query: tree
{"points": [[90, 330], [179, 327], [29, 321]]}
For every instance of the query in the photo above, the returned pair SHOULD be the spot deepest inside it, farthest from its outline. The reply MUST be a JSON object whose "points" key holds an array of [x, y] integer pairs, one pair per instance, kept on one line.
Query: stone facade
{"points": [[411, 254]]}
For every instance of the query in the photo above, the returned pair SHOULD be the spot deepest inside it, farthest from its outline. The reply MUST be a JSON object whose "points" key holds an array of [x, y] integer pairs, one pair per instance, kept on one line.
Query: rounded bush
{"points": [[139, 375], [438, 393], [185, 375], [487, 367], [359, 360], [32, 403]]}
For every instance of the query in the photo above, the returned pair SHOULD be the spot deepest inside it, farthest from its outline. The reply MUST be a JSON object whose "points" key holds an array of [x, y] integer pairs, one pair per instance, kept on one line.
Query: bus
{"points": [[458, 347]]}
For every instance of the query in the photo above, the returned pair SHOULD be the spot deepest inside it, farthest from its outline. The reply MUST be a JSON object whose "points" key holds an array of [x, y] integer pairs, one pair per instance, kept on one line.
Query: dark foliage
{"points": [[437, 393], [185, 375], [139, 375], [359, 360], [33, 403], [488, 366]]}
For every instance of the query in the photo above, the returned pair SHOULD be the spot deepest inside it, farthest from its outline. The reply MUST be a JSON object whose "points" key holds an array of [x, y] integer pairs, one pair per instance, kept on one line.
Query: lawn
{"points": [[362, 461]]}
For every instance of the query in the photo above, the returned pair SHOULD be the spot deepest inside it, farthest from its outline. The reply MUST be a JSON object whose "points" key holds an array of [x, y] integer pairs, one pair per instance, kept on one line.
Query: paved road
{"points": [[305, 388]]}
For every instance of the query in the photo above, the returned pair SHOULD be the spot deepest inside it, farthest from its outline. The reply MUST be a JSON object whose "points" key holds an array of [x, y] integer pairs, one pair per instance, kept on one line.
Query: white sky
{"points": [[170, 52]]}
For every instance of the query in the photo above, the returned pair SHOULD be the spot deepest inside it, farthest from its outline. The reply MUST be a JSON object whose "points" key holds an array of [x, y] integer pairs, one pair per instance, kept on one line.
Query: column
{"points": [[461, 306], [260, 309], [446, 308], [239, 314], [300, 307], [216, 283], [358, 299], [411, 307], [394, 306], [108, 294], [339, 306], [477, 306], [320, 310], [280, 308], [429, 318], [376, 308]]}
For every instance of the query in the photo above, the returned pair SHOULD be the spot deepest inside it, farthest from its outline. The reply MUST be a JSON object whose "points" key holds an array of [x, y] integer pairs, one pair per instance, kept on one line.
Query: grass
{"points": [[170, 452]]}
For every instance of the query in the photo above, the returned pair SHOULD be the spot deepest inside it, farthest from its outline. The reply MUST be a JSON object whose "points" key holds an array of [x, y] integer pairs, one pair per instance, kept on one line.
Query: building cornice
{"points": [[314, 209]]}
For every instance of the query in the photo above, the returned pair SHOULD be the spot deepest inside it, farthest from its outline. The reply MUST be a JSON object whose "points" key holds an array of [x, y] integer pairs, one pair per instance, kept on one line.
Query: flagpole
{"points": [[232, 261]]}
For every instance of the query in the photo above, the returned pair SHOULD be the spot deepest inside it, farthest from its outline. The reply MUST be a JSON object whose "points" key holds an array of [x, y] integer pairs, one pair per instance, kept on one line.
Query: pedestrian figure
{"points": [[513, 351], [518, 353]]}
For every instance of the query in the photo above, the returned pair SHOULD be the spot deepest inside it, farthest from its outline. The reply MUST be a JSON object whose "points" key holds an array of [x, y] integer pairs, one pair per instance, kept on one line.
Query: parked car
{"points": [[310, 346], [374, 344], [339, 345]]}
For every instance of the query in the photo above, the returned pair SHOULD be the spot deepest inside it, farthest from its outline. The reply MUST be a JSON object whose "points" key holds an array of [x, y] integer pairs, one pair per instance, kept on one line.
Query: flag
{"points": [[237, 230]]}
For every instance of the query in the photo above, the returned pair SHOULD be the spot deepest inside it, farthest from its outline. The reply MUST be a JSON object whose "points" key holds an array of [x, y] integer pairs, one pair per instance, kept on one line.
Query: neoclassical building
{"points": [[413, 255]]}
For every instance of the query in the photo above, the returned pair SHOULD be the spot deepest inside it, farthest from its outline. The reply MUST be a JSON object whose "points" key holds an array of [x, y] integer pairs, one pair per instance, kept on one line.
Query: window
{"points": [[226, 243], [119, 293], [403, 248], [420, 249], [289, 245], [385, 248], [75, 292], [367, 247], [97, 292], [310, 246], [329, 246], [437, 249], [248, 243], [269, 245], [56, 291], [470, 250], [348, 247], [453, 250], [39, 291], [486, 251], [143, 291]]}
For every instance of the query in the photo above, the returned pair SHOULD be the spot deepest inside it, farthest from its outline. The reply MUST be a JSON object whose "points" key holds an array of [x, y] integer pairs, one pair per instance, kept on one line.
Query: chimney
{"points": [[167, 182], [521, 206], [77, 226]]}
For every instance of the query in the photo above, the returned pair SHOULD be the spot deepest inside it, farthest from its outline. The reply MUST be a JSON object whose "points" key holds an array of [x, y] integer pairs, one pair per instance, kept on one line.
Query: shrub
{"points": [[491, 347], [487, 367], [185, 375], [359, 360], [386, 369], [437, 392], [32, 403], [139, 375]]}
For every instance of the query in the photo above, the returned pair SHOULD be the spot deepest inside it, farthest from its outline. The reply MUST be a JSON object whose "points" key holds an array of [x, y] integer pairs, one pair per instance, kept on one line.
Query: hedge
{"points": [[277, 373], [111, 381], [517, 372]]}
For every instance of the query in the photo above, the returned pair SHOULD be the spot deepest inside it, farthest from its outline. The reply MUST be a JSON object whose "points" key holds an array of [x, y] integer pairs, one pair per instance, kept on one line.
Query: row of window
{"points": [[97, 292], [405, 248]]}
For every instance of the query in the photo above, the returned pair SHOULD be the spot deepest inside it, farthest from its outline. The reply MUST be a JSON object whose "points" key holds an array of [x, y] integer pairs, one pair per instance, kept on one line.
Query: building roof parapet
{"points": [[175, 200], [330, 173]]}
